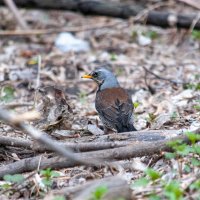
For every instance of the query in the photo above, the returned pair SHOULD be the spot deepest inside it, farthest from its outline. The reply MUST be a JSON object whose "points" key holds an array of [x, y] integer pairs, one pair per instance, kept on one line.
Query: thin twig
{"points": [[192, 3], [16, 105], [194, 22], [58, 30], [38, 72], [162, 78], [11, 5]]}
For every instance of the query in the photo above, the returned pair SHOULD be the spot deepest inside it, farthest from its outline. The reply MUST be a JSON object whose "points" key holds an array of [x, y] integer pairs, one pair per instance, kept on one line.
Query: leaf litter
{"points": [[66, 102]]}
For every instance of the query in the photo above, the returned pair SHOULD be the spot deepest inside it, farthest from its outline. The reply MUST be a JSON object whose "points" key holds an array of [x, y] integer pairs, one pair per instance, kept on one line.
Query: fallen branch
{"points": [[91, 143], [119, 10], [16, 105], [192, 3], [85, 146], [117, 187], [57, 30], [120, 153], [41, 137], [16, 142], [13, 8]]}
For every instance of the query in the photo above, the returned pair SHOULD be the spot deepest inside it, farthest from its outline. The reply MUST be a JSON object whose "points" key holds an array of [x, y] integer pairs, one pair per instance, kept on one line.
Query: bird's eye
{"points": [[95, 74]]}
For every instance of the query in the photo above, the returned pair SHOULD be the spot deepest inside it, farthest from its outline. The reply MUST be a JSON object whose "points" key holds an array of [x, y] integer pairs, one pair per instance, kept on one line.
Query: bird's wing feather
{"points": [[114, 107]]}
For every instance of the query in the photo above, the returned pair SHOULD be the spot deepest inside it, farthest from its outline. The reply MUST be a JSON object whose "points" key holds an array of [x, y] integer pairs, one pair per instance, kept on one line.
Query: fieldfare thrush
{"points": [[113, 103]]}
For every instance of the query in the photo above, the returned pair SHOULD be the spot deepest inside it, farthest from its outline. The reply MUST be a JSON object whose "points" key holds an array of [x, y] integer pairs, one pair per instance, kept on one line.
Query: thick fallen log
{"points": [[120, 153], [120, 10]]}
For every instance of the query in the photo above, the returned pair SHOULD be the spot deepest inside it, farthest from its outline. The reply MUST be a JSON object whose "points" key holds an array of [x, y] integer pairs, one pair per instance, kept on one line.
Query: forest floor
{"points": [[159, 68]]}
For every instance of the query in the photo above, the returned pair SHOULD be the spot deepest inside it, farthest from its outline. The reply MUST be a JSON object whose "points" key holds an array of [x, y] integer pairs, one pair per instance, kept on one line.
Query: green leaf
{"points": [[183, 149], [154, 175], [5, 186], [197, 76], [187, 168], [174, 115], [82, 96], [154, 197], [151, 34], [174, 143], [55, 174], [173, 191], [47, 182], [7, 94], [180, 147], [16, 178], [197, 107], [136, 104], [134, 35], [99, 192], [113, 57], [48, 174], [196, 149], [169, 155], [195, 185], [193, 137], [59, 198], [151, 118], [195, 162], [196, 34], [140, 182]]}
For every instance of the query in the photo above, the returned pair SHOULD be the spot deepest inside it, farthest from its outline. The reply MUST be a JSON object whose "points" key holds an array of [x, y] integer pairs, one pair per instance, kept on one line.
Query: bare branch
{"points": [[11, 5]]}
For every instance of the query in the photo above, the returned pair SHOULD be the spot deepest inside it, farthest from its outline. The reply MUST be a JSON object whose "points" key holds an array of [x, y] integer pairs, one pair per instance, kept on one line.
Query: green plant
{"points": [[153, 175], [48, 176], [192, 86], [173, 191], [151, 118], [136, 104], [5, 186], [99, 192], [151, 34], [82, 96], [7, 94], [113, 57], [140, 182], [196, 107], [196, 35], [174, 116], [59, 198], [16, 178]]}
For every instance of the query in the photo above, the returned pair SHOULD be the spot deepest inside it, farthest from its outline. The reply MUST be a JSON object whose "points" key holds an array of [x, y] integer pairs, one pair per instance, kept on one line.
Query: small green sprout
{"points": [[99, 192], [48, 175]]}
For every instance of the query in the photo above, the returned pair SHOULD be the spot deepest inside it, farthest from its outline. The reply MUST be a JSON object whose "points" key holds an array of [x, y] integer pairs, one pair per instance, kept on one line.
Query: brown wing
{"points": [[115, 107]]}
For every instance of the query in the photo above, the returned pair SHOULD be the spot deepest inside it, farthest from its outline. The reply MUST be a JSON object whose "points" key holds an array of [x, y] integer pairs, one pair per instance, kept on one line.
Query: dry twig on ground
{"points": [[120, 153]]}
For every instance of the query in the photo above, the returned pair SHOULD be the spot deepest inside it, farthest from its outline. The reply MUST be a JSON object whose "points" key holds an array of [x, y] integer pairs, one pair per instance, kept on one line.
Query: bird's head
{"points": [[103, 77]]}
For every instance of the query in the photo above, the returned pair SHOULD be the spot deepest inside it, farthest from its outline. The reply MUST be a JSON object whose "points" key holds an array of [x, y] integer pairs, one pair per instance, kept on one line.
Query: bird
{"points": [[113, 103]]}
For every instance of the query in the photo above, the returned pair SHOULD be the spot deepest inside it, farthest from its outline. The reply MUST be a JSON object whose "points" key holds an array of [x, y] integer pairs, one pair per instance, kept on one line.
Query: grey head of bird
{"points": [[104, 78]]}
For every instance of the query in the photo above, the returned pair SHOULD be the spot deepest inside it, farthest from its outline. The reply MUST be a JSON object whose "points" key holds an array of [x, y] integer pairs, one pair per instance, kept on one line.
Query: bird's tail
{"points": [[128, 128]]}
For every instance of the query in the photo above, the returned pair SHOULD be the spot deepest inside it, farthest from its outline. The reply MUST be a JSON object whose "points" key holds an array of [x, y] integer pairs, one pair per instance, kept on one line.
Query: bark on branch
{"points": [[91, 143], [117, 188], [120, 10], [131, 151]]}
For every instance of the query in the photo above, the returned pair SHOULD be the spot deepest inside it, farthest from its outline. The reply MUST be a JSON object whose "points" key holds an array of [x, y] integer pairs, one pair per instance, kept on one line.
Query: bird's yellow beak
{"points": [[87, 76]]}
